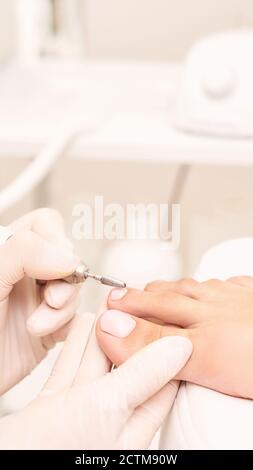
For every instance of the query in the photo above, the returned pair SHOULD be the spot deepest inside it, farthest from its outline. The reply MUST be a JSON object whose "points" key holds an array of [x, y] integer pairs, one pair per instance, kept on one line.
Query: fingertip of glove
{"points": [[58, 293], [175, 350]]}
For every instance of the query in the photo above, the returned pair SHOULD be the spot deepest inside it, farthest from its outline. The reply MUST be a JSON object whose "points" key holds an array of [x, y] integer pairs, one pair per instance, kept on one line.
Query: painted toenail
{"points": [[117, 323]]}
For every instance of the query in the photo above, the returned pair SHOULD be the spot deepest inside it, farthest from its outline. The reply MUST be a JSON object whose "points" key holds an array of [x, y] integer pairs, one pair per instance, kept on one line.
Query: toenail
{"points": [[117, 294], [117, 323]]}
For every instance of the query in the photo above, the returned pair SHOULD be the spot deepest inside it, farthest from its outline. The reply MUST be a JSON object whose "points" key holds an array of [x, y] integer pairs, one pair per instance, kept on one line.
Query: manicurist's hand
{"points": [[32, 317], [217, 316], [85, 406]]}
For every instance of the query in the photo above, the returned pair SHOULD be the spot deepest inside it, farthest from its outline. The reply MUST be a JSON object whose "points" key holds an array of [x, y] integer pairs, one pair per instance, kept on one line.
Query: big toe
{"points": [[120, 335]]}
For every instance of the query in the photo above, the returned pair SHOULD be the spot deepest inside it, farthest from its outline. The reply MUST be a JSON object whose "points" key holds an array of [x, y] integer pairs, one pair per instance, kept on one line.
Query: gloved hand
{"points": [[84, 406], [32, 316]]}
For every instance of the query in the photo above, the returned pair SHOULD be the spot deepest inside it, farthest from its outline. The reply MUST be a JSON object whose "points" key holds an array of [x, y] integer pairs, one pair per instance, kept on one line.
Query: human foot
{"points": [[121, 335], [217, 316]]}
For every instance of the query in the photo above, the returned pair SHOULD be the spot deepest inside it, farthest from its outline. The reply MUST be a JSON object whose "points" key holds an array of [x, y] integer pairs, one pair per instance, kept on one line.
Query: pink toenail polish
{"points": [[117, 323]]}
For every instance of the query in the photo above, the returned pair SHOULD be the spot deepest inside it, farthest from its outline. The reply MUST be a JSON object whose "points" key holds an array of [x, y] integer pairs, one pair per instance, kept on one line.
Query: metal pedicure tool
{"points": [[82, 273]]}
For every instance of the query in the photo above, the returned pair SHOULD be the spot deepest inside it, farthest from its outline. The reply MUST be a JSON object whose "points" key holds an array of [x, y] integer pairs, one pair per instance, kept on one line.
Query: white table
{"points": [[130, 107]]}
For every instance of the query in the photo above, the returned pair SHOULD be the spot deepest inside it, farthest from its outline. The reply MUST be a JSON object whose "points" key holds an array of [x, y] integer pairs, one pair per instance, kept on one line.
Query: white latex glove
{"points": [[32, 317], [84, 406]]}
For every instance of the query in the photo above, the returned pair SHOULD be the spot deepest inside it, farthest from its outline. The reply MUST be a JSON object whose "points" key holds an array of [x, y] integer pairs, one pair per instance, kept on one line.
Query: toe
{"points": [[120, 335]]}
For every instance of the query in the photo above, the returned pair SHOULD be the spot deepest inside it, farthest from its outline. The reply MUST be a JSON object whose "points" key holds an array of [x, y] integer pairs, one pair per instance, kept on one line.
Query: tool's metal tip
{"points": [[110, 281], [107, 280]]}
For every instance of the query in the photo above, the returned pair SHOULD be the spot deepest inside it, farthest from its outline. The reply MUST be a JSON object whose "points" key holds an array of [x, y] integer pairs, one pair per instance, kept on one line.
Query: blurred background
{"points": [[141, 30], [161, 93]]}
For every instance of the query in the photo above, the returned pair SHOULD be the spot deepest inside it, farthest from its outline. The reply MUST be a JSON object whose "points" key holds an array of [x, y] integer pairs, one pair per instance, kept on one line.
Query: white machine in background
{"points": [[217, 87]]}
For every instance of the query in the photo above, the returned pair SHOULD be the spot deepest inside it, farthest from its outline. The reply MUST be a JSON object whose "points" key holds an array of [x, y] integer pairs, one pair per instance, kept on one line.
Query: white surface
{"points": [[202, 418], [217, 96], [130, 106]]}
